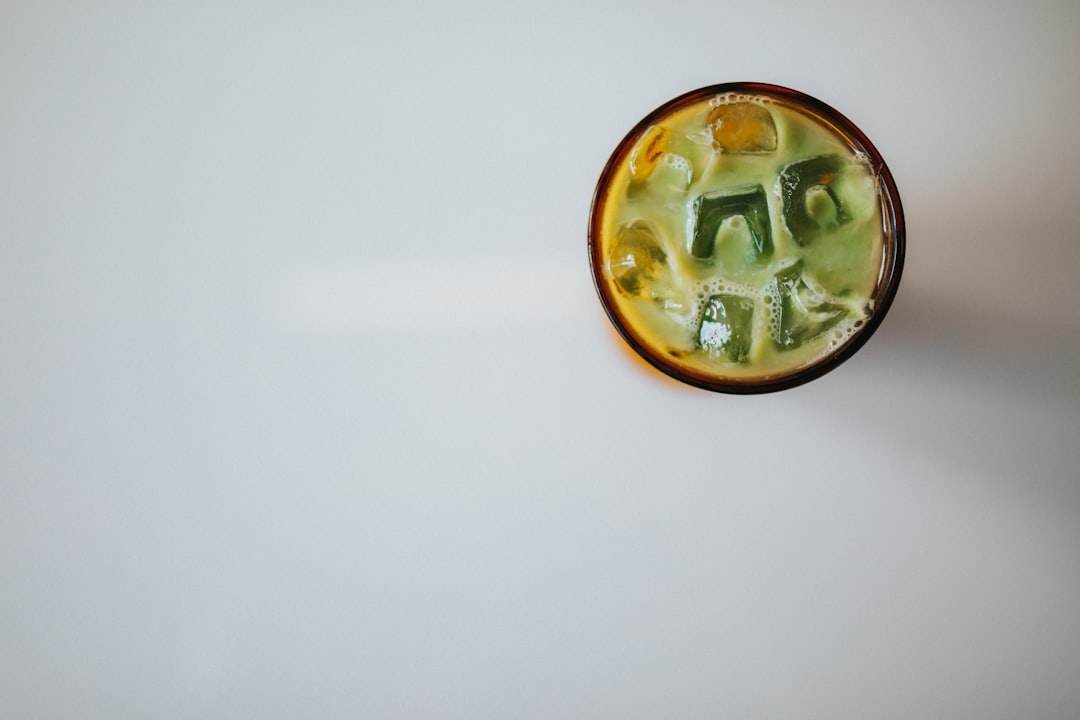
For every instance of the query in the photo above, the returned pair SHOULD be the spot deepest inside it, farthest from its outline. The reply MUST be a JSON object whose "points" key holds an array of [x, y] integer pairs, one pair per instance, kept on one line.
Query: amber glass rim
{"points": [[892, 251]]}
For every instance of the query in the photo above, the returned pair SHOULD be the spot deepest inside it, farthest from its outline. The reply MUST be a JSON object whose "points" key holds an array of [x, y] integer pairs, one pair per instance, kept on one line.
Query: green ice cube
{"points": [[804, 312], [727, 326], [810, 203], [712, 209]]}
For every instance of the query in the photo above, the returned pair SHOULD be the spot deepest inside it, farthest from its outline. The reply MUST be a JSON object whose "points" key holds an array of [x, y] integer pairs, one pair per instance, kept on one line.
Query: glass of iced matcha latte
{"points": [[746, 238]]}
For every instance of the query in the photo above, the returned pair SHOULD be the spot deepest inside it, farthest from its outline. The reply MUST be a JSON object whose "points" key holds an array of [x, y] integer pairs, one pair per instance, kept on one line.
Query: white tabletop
{"points": [[309, 409]]}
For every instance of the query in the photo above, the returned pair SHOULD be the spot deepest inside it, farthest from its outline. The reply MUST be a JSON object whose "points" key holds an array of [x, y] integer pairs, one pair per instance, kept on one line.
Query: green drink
{"points": [[746, 238]]}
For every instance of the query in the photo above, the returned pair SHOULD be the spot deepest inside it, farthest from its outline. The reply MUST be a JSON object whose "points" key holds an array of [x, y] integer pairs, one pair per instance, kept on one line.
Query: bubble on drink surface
{"points": [[728, 98], [773, 309], [638, 263], [742, 127]]}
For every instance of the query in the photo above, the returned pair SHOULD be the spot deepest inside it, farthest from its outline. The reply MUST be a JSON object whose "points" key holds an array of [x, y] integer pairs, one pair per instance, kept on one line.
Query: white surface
{"points": [[308, 408]]}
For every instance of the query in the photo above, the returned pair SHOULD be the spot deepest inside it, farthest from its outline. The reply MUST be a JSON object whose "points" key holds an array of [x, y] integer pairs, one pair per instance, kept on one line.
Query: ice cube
{"points": [[742, 127], [810, 203], [712, 209], [804, 312], [638, 263], [668, 157], [647, 151], [727, 326]]}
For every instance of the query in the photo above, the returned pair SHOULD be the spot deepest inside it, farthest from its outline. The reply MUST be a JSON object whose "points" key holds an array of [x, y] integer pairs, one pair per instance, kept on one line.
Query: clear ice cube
{"points": [[727, 326], [668, 157], [809, 200], [638, 263], [804, 313], [742, 127], [647, 151], [712, 209]]}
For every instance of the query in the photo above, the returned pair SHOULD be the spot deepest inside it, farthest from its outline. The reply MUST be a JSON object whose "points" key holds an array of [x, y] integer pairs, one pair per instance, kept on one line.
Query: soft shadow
{"points": [[985, 397]]}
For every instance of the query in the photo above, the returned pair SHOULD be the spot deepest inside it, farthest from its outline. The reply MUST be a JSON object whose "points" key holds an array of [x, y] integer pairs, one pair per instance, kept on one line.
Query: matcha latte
{"points": [[746, 238]]}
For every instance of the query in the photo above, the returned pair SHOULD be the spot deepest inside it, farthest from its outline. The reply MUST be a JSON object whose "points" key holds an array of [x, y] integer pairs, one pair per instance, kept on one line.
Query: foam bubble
{"points": [[678, 167], [730, 98]]}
